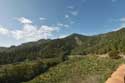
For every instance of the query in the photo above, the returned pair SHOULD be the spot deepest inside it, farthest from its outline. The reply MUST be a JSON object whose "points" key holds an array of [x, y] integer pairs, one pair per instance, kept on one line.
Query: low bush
{"points": [[114, 55]]}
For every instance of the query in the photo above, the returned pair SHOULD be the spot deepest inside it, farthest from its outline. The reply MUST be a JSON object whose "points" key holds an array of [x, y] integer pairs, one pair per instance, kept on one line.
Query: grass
{"points": [[90, 69]]}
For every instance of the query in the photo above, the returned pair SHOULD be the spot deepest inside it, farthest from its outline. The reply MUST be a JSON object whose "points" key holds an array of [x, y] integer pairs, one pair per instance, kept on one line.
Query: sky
{"points": [[30, 20]]}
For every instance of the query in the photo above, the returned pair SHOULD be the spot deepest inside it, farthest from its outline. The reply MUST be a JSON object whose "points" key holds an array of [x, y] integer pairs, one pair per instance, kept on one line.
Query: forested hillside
{"points": [[74, 44], [29, 60]]}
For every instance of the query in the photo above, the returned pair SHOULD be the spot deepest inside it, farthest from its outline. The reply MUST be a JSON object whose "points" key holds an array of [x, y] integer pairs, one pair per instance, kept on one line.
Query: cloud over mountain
{"points": [[28, 32], [24, 20]]}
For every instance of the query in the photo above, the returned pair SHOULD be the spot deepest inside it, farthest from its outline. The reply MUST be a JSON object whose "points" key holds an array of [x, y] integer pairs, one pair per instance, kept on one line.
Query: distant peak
{"points": [[75, 34]]}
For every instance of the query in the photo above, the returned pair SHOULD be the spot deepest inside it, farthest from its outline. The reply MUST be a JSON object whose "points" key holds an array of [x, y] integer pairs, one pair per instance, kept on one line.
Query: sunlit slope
{"points": [[80, 70]]}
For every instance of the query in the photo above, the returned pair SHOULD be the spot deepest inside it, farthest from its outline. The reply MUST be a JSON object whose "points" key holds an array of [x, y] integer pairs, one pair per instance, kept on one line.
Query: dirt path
{"points": [[118, 76]]}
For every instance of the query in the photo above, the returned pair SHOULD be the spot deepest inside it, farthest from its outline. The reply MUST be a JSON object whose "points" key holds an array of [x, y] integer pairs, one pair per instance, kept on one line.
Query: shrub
{"points": [[114, 55]]}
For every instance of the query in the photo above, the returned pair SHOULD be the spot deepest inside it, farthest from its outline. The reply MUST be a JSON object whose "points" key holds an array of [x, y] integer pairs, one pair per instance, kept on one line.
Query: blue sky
{"points": [[30, 20]]}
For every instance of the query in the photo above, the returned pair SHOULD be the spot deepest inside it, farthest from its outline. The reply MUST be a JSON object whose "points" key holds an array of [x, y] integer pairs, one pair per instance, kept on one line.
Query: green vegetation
{"points": [[80, 70], [74, 44], [114, 55], [24, 71], [27, 61]]}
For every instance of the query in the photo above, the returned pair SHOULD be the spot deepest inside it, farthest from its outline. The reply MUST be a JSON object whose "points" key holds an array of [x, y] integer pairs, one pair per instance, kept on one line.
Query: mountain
{"points": [[48, 61], [75, 44]]}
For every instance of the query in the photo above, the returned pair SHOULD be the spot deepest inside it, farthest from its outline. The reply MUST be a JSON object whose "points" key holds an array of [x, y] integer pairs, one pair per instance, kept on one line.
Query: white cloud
{"points": [[66, 16], [117, 19], [3, 31], [72, 10], [121, 26], [71, 7], [31, 33], [24, 20], [63, 36], [63, 25], [74, 13], [116, 29], [66, 26], [122, 19], [43, 19], [60, 24]]}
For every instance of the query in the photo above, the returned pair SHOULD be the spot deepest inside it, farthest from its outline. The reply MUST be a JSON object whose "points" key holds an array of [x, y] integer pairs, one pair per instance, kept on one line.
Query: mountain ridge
{"points": [[29, 61], [71, 35], [74, 44]]}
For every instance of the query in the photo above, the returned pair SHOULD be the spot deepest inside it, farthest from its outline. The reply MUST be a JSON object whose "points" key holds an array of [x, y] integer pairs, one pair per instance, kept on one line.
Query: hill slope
{"points": [[74, 44], [80, 70], [24, 62]]}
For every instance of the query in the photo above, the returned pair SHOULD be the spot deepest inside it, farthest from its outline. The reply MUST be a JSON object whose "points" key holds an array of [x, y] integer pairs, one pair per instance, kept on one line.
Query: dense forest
{"points": [[24, 62]]}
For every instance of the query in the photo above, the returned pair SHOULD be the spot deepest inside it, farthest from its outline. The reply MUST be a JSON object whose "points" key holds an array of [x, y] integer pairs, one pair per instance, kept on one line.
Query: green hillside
{"points": [[50, 59], [80, 70], [25, 71], [74, 44]]}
